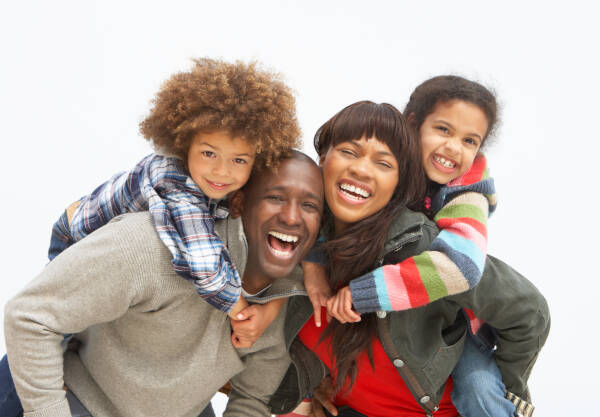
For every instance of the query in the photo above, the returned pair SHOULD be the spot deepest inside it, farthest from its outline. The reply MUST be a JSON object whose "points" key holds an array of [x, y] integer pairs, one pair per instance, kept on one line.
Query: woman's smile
{"points": [[360, 178]]}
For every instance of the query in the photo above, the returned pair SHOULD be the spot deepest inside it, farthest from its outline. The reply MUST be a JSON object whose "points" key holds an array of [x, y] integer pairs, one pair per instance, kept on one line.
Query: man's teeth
{"points": [[444, 162], [284, 237], [355, 190]]}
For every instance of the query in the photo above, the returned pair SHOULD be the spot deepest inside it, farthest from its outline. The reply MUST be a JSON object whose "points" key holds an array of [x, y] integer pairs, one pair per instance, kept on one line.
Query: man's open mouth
{"points": [[282, 245]]}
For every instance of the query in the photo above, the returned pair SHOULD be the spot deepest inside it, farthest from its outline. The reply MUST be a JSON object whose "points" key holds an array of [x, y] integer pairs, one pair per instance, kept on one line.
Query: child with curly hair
{"points": [[210, 126]]}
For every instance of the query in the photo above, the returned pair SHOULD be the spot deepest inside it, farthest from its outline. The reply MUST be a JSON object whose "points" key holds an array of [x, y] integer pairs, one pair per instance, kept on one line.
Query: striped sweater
{"points": [[456, 258]]}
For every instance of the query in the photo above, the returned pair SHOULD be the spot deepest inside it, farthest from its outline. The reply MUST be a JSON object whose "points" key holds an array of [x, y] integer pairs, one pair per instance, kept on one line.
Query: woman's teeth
{"points": [[355, 190], [444, 162]]}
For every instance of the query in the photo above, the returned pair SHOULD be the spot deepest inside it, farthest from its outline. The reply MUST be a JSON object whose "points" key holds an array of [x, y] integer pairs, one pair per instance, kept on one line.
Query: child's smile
{"points": [[450, 139]]}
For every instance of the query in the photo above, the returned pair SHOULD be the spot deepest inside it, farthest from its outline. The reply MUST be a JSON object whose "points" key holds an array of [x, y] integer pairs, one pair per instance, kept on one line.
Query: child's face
{"points": [[220, 164], [450, 139]]}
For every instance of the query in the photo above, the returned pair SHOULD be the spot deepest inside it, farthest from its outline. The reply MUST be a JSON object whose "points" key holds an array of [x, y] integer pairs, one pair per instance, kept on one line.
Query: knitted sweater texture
{"points": [[149, 346]]}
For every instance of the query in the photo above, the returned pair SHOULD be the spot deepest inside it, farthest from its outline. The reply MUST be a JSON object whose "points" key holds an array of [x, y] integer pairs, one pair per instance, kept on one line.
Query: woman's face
{"points": [[360, 177]]}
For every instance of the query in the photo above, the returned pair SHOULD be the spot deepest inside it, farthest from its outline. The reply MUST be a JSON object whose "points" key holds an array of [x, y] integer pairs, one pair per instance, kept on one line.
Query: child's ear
{"points": [[236, 204]]}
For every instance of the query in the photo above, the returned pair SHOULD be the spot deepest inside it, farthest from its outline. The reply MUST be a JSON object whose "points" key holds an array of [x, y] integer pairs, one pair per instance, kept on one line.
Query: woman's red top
{"points": [[382, 393]]}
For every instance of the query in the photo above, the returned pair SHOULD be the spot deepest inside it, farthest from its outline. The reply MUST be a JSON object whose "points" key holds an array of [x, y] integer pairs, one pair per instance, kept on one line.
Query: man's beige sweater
{"points": [[150, 346]]}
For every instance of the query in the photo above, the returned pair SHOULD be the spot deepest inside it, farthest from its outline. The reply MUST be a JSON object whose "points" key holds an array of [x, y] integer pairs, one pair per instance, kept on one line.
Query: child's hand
{"points": [[317, 288], [340, 306], [323, 398], [240, 304], [250, 323]]}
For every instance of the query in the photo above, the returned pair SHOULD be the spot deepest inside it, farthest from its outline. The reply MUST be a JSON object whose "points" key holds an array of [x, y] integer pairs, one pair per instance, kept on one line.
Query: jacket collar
{"points": [[405, 227]]}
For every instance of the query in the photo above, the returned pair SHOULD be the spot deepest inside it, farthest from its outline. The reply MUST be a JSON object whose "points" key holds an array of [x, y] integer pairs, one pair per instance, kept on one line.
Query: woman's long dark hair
{"points": [[355, 251]]}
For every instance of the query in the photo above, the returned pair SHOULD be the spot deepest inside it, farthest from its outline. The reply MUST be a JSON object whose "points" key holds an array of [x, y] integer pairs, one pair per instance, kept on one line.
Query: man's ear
{"points": [[236, 204]]}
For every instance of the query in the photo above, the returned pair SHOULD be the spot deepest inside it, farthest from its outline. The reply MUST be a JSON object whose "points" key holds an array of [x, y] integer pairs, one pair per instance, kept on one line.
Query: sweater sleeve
{"points": [[92, 283], [454, 262]]}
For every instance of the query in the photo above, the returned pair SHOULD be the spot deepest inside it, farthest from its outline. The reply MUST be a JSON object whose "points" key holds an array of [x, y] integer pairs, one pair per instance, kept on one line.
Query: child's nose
{"points": [[220, 168]]}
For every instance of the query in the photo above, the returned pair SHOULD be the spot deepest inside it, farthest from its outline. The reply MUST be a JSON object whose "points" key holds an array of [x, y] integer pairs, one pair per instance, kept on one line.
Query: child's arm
{"points": [[317, 288], [183, 217], [251, 322], [453, 264]]}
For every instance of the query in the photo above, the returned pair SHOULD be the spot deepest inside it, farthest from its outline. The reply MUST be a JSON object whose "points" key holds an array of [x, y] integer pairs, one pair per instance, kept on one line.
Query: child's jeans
{"points": [[10, 405], [60, 238], [478, 389]]}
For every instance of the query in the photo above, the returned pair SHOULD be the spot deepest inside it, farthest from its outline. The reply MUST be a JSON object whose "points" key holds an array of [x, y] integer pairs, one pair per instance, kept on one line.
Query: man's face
{"points": [[281, 216]]}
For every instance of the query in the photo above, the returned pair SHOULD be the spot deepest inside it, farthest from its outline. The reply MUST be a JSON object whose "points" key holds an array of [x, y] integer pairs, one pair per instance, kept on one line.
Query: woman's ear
{"points": [[412, 120], [236, 204]]}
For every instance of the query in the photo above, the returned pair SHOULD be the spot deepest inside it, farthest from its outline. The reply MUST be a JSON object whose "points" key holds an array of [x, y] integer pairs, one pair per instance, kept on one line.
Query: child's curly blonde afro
{"points": [[239, 98]]}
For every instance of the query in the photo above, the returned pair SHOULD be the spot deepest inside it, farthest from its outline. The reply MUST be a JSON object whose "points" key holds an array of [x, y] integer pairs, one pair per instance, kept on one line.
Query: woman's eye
{"points": [[208, 154], [384, 164], [348, 152]]}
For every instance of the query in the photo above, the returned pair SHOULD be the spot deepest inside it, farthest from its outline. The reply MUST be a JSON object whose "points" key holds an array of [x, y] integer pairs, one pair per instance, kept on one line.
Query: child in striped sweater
{"points": [[453, 118]]}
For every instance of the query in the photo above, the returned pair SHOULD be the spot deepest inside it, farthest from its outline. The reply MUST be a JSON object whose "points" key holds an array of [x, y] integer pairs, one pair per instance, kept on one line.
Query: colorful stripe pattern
{"points": [[183, 216], [456, 257]]}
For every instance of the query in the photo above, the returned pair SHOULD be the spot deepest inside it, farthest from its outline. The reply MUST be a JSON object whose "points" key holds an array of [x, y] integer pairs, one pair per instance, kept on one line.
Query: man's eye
{"points": [[208, 154], [274, 198], [310, 206]]}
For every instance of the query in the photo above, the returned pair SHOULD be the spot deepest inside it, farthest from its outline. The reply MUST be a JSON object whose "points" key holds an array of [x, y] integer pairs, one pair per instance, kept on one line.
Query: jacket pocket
{"points": [[440, 366]]}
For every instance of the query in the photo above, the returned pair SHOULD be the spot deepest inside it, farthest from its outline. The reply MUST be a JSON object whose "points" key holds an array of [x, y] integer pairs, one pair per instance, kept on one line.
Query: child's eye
{"points": [[208, 154], [443, 129], [240, 161], [471, 141]]}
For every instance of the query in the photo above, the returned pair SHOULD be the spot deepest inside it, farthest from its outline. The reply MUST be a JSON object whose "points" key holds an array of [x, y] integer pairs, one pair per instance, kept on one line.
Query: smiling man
{"points": [[147, 346]]}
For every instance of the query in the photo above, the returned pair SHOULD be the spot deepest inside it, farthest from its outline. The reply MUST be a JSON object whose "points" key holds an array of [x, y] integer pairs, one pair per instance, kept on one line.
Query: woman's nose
{"points": [[361, 168]]}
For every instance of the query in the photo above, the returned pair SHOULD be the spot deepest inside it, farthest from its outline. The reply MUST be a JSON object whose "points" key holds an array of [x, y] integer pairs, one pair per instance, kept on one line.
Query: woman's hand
{"points": [[317, 288], [250, 323], [340, 306], [323, 397]]}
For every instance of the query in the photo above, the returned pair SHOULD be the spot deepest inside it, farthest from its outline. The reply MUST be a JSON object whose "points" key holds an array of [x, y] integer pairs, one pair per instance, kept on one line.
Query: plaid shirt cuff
{"points": [[524, 408]]}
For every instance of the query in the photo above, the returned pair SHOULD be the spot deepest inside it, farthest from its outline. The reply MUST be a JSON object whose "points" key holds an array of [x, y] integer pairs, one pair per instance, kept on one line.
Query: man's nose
{"points": [[290, 214]]}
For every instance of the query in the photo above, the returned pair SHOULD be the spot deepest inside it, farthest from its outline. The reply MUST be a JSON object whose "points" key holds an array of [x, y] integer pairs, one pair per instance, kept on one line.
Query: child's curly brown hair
{"points": [[239, 98]]}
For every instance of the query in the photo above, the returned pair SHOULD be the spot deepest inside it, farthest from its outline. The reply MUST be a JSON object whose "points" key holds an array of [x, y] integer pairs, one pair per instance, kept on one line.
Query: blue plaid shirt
{"points": [[183, 216]]}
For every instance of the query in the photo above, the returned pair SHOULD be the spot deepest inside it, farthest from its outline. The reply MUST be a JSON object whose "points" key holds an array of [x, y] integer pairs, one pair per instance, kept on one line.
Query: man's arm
{"points": [[263, 372], [89, 283], [519, 313]]}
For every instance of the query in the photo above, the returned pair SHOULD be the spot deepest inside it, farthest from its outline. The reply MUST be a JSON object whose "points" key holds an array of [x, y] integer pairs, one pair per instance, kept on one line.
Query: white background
{"points": [[76, 78]]}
